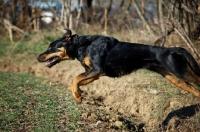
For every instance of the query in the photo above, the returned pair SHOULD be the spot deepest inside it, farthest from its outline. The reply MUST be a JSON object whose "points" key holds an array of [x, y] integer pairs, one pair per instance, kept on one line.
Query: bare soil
{"points": [[142, 101]]}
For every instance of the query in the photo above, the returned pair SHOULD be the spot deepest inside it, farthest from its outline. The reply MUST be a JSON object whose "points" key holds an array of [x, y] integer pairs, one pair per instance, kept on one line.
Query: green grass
{"points": [[4, 44], [30, 46], [28, 103]]}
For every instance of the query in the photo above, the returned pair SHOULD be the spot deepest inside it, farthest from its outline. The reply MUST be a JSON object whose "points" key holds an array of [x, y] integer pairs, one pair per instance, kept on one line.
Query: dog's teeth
{"points": [[51, 62], [47, 63], [54, 59]]}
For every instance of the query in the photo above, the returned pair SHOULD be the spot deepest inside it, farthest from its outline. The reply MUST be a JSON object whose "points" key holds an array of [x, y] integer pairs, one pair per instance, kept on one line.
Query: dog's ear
{"points": [[68, 34]]}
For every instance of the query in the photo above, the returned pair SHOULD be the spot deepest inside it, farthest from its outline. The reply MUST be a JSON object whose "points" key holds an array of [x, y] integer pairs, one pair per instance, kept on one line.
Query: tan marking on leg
{"points": [[82, 80], [90, 80], [183, 85], [76, 93], [87, 61], [85, 82], [179, 82]]}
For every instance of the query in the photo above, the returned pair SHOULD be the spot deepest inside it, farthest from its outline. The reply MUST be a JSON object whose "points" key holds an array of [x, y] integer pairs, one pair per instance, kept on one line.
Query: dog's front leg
{"points": [[82, 79]]}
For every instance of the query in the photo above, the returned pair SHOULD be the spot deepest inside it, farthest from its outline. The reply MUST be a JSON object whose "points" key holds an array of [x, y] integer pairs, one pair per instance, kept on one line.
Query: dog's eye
{"points": [[49, 48]]}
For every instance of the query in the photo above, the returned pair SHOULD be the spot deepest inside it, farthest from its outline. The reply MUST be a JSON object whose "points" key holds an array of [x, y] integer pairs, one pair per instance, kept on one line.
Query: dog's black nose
{"points": [[40, 58]]}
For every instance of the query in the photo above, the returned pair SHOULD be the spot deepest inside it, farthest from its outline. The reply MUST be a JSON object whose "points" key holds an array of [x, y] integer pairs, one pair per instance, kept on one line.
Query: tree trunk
{"points": [[161, 21], [107, 9], [142, 17], [80, 3]]}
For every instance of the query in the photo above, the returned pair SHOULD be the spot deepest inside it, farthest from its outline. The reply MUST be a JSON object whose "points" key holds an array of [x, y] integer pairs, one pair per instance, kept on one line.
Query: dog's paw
{"points": [[77, 97], [76, 93], [78, 100]]}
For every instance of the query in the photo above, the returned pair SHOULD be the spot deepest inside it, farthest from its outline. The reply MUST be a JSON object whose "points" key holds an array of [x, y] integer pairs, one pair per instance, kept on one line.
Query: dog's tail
{"points": [[190, 60]]}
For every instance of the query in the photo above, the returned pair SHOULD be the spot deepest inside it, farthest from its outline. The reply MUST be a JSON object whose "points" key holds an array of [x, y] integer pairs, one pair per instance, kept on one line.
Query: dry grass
{"points": [[142, 97]]}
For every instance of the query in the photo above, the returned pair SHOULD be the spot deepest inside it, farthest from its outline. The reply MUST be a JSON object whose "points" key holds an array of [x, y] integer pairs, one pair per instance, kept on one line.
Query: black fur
{"points": [[115, 58], [109, 57]]}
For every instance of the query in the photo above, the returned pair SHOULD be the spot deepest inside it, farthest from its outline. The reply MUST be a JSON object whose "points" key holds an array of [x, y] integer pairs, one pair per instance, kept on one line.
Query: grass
{"points": [[31, 46], [5, 44], [28, 103]]}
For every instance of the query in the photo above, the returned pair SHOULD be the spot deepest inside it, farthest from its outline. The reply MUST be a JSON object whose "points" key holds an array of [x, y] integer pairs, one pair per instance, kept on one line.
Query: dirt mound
{"points": [[142, 101]]}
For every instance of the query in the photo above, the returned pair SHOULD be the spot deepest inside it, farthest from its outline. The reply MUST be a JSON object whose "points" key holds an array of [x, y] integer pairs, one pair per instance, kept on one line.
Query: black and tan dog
{"points": [[106, 56]]}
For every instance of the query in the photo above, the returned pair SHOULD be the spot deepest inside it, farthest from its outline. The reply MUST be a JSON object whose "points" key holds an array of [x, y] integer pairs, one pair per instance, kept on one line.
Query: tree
{"points": [[142, 16]]}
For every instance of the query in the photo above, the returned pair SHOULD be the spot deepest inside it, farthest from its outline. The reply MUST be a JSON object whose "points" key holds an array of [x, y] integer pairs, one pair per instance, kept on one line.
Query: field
{"points": [[141, 101], [29, 103]]}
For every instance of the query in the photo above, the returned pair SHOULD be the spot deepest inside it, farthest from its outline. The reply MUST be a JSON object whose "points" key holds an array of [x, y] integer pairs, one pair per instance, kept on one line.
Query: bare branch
{"points": [[187, 9], [11, 27], [141, 16]]}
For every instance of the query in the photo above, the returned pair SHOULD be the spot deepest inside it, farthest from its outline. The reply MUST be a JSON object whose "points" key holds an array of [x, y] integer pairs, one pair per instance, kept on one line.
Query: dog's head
{"points": [[59, 50]]}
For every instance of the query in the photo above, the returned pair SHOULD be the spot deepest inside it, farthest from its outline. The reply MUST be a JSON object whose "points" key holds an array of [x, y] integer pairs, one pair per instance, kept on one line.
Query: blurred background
{"points": [[123, 18]]}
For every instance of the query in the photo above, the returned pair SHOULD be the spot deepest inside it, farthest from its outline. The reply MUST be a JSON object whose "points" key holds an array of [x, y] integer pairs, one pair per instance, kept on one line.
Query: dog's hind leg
{"points": [[191, 77], [178, 82], [182, 84]]}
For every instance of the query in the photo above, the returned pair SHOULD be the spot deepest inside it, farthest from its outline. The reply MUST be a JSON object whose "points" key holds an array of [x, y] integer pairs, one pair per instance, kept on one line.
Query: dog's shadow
{"points": [[181, 113]]}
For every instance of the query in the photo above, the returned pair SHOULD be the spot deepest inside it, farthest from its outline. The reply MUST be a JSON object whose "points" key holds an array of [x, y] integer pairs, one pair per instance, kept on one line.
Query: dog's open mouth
{"points": [[52, 61]]}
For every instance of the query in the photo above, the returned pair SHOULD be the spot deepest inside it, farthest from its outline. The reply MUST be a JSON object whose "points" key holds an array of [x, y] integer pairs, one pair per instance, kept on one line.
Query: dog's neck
{"points": [[75, 42]]}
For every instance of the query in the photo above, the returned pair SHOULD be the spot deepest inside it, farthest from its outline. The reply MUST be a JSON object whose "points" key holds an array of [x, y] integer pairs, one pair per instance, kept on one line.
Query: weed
{"points": [[161, 104], [198, 118], [5, 45]]}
